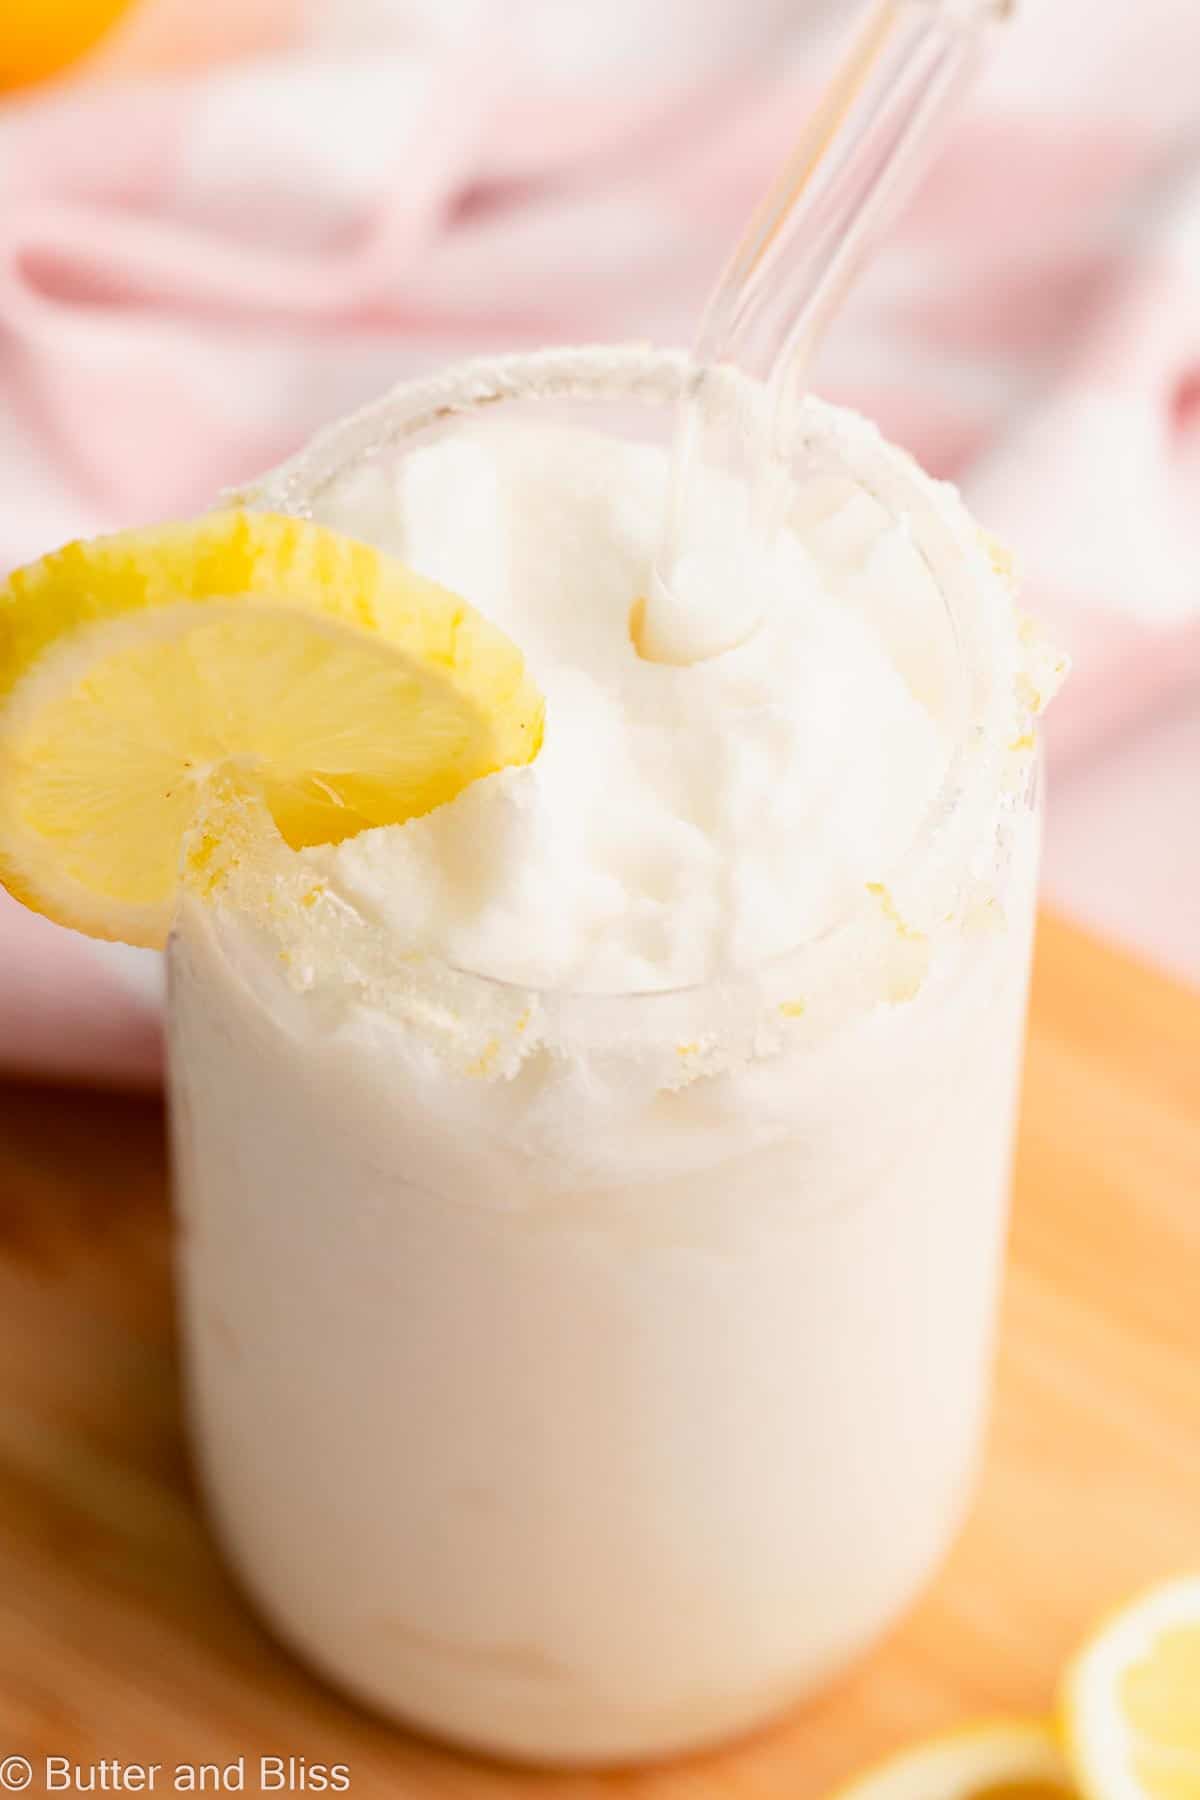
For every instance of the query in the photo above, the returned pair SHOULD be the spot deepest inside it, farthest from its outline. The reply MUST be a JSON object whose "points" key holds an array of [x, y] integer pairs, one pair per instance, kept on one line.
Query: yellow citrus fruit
{"points": [[995, 1760], [349, 691], [1131, 1700], [38, 38]]}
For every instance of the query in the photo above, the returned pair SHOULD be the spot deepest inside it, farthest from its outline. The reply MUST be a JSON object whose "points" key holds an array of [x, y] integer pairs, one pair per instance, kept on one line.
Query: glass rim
{"points": [[952, 547]]}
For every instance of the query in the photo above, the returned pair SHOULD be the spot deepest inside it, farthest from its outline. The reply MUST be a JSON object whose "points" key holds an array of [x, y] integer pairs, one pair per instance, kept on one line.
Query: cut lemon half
{"points": [[996, 1760], [1131, 1700], [349, 690]]}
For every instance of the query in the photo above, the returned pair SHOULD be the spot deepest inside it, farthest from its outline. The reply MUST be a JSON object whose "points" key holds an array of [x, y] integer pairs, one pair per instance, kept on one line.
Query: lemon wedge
{"points": [[351, 691], [1131, 1700], [997, 1760]]}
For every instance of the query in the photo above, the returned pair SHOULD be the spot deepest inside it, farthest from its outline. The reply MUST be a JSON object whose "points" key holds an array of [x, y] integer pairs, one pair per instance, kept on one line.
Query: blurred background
{"points": [[223, 223]]}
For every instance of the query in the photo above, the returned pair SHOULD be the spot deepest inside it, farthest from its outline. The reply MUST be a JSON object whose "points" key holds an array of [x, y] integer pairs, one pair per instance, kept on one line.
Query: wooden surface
{"points": [[121, 1636]]}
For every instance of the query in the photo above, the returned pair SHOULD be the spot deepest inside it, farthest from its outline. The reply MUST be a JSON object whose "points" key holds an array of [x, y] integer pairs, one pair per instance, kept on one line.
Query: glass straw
{"points": [[859, 155]]}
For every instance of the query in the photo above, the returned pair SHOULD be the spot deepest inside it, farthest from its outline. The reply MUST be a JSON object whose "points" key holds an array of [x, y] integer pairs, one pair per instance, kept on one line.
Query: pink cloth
{"points": [[198, 269]]}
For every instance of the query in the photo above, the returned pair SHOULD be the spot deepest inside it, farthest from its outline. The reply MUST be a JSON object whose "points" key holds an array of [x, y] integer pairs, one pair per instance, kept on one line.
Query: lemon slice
{"points": [[39, 40], [1131, 1700], [997, 1760], [351, 691]]}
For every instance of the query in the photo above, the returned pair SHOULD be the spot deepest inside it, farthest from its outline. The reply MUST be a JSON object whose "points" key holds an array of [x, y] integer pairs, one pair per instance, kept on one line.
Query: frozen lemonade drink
{"points": [[592, 1077]]}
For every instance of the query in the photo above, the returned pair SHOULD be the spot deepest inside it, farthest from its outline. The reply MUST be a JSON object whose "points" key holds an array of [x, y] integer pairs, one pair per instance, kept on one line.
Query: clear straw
{"points": [[860, 154]]}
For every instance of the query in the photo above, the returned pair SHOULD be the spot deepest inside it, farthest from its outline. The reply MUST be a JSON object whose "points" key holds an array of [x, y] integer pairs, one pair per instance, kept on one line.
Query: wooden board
{"points": [[121, 1636]]}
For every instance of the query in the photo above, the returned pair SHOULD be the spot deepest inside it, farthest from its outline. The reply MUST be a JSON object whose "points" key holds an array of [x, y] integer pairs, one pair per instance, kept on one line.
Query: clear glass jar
{"points": [[549, 1396]]}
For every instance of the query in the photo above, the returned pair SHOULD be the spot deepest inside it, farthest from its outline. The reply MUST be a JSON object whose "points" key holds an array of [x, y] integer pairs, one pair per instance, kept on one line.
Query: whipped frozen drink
{"points": [[592, 1191]]}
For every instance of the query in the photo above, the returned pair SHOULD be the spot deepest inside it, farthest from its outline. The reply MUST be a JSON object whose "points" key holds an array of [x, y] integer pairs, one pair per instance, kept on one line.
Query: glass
{"points": [[587, 1377]]}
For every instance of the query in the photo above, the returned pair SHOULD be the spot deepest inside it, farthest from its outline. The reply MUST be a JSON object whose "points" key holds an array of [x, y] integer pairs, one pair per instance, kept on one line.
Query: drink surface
{"points": [[678, 822]]}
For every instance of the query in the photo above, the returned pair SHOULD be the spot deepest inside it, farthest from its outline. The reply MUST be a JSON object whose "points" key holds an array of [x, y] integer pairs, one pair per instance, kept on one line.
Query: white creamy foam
{"points": [[679, 822]]}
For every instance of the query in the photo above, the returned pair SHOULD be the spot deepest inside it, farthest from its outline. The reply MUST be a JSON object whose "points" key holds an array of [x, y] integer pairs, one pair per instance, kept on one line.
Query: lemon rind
{"points": [[953, 1764]]}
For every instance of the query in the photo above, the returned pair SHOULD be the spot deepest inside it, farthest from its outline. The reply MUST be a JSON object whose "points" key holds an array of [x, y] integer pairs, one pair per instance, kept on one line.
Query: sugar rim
{"points": [[977, 597]]}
